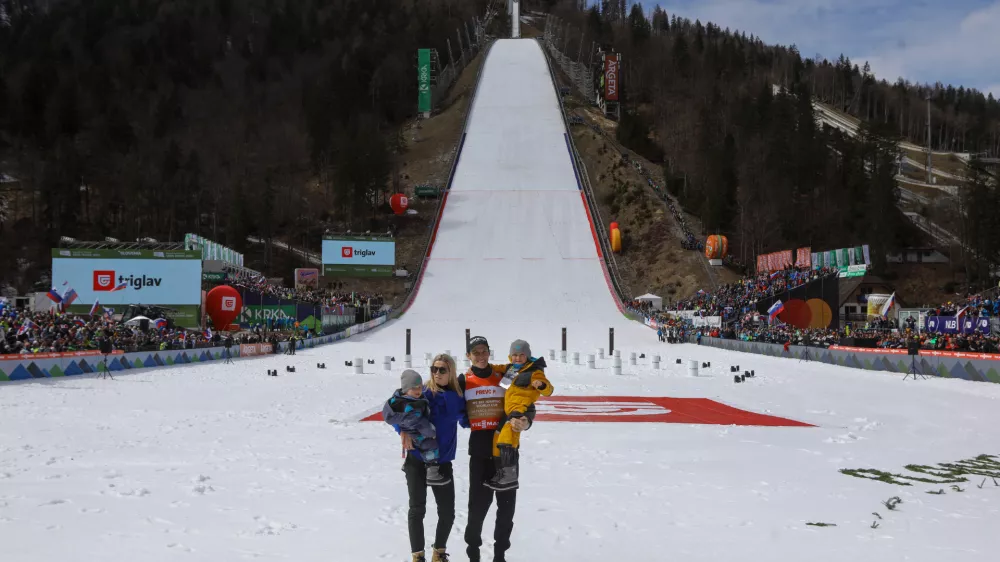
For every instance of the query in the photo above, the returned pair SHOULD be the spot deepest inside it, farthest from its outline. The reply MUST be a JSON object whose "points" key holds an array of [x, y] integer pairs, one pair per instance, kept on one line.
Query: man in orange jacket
{"points": [[484, 402]]}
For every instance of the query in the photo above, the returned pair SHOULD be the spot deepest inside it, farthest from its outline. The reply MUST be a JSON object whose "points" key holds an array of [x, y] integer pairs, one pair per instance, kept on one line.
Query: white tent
{"points": [[656, 301]]}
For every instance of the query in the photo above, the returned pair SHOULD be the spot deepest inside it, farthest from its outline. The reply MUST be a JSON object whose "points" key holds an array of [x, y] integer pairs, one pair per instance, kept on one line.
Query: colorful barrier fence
{"points": [[45, 365], [980, 367]]}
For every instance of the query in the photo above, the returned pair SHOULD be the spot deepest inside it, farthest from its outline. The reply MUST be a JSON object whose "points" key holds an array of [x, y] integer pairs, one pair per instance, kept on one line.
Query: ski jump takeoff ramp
{"points": [[515, 254]]}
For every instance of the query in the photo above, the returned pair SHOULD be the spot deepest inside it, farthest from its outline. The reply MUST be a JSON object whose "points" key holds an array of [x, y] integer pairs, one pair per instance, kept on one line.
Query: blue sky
{"points": [[948, 41]]}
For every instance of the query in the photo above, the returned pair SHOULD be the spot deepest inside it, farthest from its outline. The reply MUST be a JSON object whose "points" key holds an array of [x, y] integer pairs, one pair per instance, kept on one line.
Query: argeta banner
{"points": [[612, 76], [424, 80]]}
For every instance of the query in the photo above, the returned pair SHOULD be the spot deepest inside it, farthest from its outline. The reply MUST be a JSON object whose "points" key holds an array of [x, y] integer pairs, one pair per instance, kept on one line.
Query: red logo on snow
{"points": [[104, 280], [347, 252], [592, 409]]}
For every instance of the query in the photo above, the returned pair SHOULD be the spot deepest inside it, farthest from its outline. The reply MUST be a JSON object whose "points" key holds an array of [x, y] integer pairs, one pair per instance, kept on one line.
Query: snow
{"points": [[220, 462]]}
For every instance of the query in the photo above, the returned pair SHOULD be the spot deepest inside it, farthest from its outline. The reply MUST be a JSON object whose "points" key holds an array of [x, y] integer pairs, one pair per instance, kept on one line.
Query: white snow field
{"points": [[222, 463]]}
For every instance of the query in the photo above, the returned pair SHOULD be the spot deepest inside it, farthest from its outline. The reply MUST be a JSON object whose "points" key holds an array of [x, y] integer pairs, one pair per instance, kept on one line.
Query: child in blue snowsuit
{"points": [[410, 412]]}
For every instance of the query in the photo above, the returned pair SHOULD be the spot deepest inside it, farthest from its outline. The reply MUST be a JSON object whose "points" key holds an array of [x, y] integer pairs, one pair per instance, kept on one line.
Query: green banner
{"points": [[127, 254], [218, 276], [184, 315], [424, 80], [351, 238], [260, 314], [339, 270]]}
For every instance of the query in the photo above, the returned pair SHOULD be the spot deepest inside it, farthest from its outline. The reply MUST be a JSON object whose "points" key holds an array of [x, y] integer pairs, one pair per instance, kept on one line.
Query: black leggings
{"points": [[480, 499], [444, 497]]}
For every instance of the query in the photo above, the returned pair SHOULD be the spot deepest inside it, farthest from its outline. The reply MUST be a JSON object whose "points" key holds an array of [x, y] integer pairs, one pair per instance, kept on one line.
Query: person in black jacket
{"points": [[484, 398]]}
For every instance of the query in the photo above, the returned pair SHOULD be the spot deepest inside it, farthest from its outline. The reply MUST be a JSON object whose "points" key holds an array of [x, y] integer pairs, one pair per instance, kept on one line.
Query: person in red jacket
{"points": [[484, 401]]}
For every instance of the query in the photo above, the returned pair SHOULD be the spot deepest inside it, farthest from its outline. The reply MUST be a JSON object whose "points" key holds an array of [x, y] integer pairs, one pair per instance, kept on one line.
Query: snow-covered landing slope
{"points": [[215, 462]]}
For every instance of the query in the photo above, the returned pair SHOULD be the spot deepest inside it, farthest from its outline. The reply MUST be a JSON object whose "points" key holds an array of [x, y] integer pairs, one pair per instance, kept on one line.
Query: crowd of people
{"points": [[734, 299], [311, 296], [24, 331]]}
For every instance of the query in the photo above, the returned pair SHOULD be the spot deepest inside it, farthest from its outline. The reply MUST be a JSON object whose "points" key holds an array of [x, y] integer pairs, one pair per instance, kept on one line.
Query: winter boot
{"points": [[439, 555], [434, 475], [506, 476], [419, 557]]}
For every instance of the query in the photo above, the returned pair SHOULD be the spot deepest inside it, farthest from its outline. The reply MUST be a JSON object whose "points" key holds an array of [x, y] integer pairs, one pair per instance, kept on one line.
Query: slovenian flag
{"points": [[160, 323], [69, 297], [887, 307], [79, 322], [775, 275], [120, 287], [28, 325], [208, 333], [97, 304], [775, 309]]}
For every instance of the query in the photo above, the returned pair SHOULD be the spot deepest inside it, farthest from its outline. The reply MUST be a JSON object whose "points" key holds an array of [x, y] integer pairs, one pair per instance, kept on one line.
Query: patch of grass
{"points": [[943, 473]]}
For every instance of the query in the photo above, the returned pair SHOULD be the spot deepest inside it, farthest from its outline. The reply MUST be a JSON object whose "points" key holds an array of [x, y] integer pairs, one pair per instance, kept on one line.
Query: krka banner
{"points": [[424, 80], [954, 325]]}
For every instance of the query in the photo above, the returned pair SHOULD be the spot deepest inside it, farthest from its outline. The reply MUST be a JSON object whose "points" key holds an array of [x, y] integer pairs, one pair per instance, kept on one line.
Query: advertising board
{"points": [[359, 256], [612, 77], [306, 278], [130, 276], [250, 349]]}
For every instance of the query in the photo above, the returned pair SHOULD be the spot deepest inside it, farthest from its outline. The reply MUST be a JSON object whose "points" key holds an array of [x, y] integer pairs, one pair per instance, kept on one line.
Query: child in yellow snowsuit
{"points": [[527, 384]]}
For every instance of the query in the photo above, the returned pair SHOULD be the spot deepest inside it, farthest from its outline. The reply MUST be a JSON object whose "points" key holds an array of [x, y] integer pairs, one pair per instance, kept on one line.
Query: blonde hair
{"points": [[448, 360]]}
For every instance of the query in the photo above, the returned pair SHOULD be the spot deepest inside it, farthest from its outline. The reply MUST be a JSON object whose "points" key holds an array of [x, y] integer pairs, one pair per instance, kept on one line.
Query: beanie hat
{"points": [[520, 346], [476, 340], [410, 379]]}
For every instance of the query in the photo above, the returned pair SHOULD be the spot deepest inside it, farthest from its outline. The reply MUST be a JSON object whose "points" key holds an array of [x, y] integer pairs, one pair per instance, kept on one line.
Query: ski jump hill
{"points": [[515, 250], [220, 462]]}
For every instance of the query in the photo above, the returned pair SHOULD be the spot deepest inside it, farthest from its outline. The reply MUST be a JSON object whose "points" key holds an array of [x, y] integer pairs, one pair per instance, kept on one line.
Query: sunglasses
{"points": [[436, 370]]}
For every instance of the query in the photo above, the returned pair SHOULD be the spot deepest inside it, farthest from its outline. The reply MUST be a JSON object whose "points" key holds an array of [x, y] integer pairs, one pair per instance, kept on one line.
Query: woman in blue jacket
{"points": [[447, 407]]}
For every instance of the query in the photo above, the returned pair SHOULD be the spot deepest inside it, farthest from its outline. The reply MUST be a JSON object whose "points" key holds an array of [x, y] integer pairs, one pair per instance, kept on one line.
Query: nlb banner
{"points": [[359, 256], [955, 325]]}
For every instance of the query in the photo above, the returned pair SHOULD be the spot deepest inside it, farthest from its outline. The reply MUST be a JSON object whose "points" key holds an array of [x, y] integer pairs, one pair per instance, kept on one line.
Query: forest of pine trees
{"points": [[755, 165], [152, 118]]}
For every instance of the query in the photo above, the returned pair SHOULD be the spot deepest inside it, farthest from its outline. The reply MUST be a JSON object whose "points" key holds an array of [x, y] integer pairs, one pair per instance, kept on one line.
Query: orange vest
{"points": [[484, 400]]}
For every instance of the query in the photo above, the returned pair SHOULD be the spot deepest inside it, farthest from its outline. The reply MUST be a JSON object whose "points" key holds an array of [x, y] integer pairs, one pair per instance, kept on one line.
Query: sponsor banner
{"points": [[359, 256], [127, 254], [56, 355], [612, 77], [183, 315], [41, 366], [775, 261], [306, 278], [707, 321], [843, 257], [216, 276], [803, 258], [981, 367], [852, 270], [251, 349], [423, 80], [210, 250], [261, 313], [953, 325], [643, 409], [134, 280], [358, 270]]}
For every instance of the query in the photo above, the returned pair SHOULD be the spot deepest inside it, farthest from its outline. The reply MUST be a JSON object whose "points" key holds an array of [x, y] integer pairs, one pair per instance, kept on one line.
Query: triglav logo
{"points": [[229, 303], [350, 252], [104, 280]]}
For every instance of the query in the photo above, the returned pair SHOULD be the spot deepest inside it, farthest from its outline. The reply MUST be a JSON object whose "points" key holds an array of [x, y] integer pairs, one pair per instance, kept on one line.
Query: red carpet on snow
{"points": [[644, 409]]}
